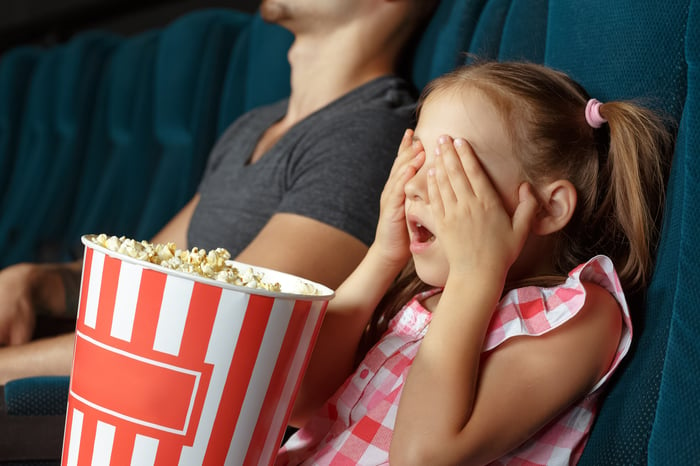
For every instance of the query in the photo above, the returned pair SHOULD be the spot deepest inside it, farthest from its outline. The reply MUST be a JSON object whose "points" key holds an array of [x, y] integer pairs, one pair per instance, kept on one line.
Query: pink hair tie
{"points": [[593, 117]]}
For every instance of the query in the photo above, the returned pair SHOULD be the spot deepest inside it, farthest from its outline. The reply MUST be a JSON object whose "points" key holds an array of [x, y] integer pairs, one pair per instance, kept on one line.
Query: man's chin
{"points": [[274, 11]]}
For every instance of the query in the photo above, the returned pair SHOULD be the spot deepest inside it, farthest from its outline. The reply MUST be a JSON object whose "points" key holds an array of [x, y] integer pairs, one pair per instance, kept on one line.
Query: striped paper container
{"points": [[174, 369]]}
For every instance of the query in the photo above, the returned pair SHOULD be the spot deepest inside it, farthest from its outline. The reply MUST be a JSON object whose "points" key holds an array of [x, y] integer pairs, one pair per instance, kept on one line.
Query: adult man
{"points": [[320, 158]]}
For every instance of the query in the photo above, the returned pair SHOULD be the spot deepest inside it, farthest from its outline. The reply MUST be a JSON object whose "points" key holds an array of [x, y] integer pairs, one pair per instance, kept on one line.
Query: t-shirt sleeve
{"points": [[338, 173]]}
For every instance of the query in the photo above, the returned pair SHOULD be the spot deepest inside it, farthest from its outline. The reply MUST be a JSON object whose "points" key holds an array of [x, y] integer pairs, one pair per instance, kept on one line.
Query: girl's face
{"points": [[468, 114]]}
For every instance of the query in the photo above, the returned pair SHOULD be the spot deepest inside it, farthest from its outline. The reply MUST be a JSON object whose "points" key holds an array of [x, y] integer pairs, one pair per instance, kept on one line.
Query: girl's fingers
{"points": [[405, 144], [406, 139], [444, 180], [409, 169], [408, 147], [394, 191], [436, 203], [525, 210], [479, 181], [446, 152], [410, 154]]}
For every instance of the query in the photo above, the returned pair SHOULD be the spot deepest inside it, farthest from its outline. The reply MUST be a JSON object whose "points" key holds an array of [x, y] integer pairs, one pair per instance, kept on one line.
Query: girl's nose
{"points": [[416, 187]]}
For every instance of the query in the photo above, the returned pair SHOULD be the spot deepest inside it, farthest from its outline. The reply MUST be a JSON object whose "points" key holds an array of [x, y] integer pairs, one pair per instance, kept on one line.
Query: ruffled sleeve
{"points": [[535, 311]]}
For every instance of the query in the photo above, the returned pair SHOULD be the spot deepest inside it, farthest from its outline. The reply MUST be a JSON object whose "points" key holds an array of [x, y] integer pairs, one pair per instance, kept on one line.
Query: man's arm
{"points": [[32, 289], [305, 247], [175, 231], [289, 243], [48, 356], [29, 290]]}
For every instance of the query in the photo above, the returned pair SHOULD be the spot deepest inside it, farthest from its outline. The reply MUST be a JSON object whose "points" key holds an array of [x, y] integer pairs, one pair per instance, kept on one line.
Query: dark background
{"points": [[47, 22]]}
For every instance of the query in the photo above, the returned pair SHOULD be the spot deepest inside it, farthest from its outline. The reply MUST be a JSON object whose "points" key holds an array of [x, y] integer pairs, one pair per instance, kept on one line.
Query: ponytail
{"points": [[632, 193]]}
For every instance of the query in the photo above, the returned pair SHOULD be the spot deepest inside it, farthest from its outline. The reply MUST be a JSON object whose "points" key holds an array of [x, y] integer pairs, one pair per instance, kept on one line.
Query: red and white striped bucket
{"points": [[174, 369]]}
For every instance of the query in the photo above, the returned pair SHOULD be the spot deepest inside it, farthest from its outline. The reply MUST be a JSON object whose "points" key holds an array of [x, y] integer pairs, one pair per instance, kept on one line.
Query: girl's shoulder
{"points": [[534, 311]]}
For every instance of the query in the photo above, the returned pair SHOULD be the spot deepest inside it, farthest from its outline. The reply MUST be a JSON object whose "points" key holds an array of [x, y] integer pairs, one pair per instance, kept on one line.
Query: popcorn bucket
{"points": [[171, 368]]}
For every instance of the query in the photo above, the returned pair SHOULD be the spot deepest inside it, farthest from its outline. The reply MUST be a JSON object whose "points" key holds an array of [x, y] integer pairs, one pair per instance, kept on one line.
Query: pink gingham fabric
{"points": [[355, 426]]}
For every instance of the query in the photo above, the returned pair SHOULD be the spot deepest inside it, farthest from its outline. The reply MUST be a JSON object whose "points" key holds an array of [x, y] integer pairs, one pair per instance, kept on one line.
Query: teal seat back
{"points": [[446, 36], [189, 73], [675, 437], [113, 133], [258, 71], [634, 50], [16, 67], [524, 31], [51, 148], [115, 177], [488, 34], [464, 30]]}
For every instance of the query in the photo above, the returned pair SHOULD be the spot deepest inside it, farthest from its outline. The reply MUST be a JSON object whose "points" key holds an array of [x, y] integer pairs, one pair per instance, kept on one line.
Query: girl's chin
{"points": [[430, 277]]}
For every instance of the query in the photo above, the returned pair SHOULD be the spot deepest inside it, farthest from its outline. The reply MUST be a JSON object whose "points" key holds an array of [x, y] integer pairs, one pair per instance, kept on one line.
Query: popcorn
{"points": [[211, 264]]}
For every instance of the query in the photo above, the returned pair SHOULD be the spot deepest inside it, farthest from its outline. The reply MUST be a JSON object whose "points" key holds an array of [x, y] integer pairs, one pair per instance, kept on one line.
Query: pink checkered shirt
{"points": [[355, 426]]}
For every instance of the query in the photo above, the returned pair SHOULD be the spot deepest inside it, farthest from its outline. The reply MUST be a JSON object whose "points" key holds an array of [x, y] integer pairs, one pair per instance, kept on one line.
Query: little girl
{"points": [[519, 211]]}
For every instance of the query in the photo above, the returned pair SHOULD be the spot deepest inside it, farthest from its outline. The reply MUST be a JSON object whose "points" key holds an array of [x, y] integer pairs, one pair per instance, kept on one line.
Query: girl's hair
{"points": [[618, 170]]}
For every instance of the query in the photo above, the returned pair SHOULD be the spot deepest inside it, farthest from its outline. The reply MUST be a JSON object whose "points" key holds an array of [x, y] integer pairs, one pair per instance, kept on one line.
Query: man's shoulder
{"points": [[385, 102], [390, 94]]}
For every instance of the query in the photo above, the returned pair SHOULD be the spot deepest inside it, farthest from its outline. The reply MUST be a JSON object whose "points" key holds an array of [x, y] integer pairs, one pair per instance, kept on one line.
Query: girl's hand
{"points": [[476, 232], [391, 238]]}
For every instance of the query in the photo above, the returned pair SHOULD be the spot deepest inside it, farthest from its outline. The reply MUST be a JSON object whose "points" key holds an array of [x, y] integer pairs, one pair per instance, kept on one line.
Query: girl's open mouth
{"points": [[421, 234]]}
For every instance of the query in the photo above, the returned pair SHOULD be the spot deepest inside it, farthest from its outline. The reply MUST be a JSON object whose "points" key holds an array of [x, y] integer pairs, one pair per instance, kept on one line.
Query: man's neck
{"points": [[324, 70]]}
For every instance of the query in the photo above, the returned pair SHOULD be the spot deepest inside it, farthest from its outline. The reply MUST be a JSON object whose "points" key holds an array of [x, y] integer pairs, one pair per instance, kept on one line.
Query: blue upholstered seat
{"points": [[675, 433], [120, 146], [51, 147], [646, 40], [15, 69], [188, 79], [258, 70]]}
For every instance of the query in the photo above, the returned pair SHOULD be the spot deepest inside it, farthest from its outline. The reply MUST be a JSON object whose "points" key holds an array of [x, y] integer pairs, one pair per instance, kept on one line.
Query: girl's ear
{"points": [[557, 205]]}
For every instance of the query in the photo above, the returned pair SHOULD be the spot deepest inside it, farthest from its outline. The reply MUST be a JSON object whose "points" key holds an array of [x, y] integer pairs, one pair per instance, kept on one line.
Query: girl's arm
{"points": [[348, 313], [332, 360], [459, 406]]}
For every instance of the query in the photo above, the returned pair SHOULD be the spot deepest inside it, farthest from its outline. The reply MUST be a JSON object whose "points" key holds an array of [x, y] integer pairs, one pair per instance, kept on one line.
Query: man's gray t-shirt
{"points": [[330, 167]]}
